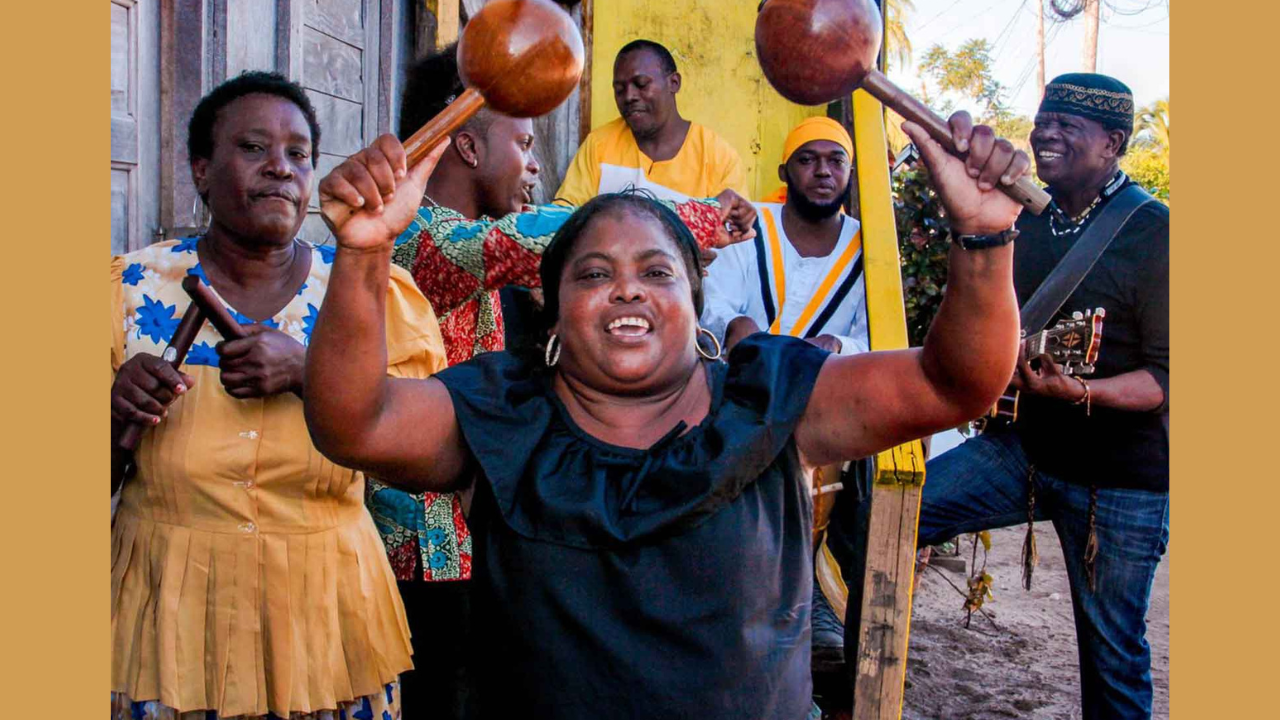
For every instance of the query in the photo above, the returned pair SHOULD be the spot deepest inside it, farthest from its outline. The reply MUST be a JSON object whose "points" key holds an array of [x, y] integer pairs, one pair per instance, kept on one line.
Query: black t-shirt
{"points": [[1109, 448], [672, 582]]}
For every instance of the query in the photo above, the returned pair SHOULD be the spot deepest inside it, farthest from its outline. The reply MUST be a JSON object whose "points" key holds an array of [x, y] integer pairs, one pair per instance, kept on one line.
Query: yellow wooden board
{"points": [[714, 47], [881, 661]]}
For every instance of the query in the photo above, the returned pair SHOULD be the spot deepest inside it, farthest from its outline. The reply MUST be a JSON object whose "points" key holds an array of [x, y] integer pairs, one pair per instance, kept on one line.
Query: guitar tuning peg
{"points": [[1100, 312], [1077, 315], [1085, 369]]}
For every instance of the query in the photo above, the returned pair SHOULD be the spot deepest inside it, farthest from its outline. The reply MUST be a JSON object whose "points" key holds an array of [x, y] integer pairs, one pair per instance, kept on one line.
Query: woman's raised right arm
{"points": [[403, 431]]}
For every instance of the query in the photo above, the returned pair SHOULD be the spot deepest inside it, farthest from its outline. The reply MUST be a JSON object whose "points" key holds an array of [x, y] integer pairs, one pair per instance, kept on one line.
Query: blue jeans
{"points": [[982, 485]]}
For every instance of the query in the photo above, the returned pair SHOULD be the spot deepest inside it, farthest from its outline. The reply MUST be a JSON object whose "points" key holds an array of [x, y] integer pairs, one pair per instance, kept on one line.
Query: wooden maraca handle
{"points": [[442, 126], [422, 142], [174, 354], [1025, 190]]}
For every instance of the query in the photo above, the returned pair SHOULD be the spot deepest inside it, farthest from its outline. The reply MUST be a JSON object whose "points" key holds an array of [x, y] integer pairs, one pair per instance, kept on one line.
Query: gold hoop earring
{"points": [[553, 350], [714, 341]]}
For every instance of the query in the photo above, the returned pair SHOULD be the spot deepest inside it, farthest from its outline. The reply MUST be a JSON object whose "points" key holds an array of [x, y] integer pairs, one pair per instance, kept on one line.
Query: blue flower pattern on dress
{"points": [[327, 252], [246, 320], [439, 559], [309, 322], [156, 320], [198, 271], [132, 274], [202, 354], [363, 709], [304, 287], [436, 536]]}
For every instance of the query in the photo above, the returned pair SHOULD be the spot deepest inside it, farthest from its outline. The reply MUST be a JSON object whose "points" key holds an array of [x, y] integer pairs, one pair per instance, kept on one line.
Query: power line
{"points": [[1002, 36], [935, 17]]}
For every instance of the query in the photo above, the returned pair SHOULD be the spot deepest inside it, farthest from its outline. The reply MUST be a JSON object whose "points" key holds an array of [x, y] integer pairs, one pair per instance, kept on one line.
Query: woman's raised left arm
{"points": [[870, 402]]}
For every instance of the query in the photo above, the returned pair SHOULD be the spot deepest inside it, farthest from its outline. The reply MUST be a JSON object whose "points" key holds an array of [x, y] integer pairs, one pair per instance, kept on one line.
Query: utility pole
{"points": [[1040, 46], [1091, 13]]}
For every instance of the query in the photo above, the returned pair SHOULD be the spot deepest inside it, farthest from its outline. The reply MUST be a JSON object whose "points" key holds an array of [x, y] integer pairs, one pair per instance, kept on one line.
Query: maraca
{"points": [[814, 51], [520, 57]]}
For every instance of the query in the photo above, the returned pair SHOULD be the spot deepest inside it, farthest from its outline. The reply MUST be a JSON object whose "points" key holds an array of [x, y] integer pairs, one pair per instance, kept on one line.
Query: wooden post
{"points": [[447, 21], [879, 665], [437, 23], [584, 86]]}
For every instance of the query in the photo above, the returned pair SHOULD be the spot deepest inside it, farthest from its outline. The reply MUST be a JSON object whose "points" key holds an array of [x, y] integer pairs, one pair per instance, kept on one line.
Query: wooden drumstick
{"points": [[212, 309], [174, 354], [815, 51], [204, 305]]}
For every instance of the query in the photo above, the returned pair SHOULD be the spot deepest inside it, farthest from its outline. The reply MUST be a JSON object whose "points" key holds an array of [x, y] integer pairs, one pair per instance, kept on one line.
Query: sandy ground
{"points": [[1027, 668]]}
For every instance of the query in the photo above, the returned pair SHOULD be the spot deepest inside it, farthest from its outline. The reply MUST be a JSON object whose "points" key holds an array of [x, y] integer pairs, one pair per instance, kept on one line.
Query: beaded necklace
{"points": [[1060, 224]]}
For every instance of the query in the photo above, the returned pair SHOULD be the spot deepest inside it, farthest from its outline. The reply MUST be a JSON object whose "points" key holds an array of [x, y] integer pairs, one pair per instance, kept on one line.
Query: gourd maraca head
{"points": [[814, 51], [523, 56]]}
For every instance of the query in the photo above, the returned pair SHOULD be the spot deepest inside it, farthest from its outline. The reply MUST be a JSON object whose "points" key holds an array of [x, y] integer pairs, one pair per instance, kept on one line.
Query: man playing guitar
{"points": [[1091, 455]]}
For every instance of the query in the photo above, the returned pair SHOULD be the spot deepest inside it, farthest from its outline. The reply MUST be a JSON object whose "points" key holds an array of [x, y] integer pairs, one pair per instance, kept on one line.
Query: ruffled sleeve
{"points": [[117, 312], [415, 348], [554, 483]]}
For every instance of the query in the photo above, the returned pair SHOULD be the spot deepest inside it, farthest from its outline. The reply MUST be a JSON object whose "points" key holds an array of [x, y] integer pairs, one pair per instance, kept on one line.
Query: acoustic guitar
{"points": [[1072, 343]]}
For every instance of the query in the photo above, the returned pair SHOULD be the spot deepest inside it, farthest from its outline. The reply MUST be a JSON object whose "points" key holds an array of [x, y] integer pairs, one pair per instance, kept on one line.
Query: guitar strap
{"points": [[1071, 269]]}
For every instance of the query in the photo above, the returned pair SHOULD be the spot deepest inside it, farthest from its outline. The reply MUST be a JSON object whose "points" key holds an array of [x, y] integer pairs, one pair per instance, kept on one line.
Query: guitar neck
{"points": [[1035, 344]]}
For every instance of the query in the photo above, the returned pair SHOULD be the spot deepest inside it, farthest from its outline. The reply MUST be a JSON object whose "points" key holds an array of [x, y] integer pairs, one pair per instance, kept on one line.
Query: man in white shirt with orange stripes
{"points": [[802, 276]]}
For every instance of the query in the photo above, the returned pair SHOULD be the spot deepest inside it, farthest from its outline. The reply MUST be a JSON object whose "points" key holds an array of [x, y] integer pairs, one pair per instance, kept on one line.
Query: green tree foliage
{"points": [[1152, 125], [966, 73], [922, 248], [897, 46], [1149, 169], [1147, 161]]}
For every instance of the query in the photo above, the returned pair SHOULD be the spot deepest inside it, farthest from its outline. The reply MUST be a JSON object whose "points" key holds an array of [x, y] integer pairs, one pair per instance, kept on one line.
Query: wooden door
{"points": [[135, 84], [334, 50]]}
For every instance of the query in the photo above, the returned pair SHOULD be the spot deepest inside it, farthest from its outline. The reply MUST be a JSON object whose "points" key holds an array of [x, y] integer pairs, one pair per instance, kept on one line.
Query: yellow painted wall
{"points": [[713, 42]]}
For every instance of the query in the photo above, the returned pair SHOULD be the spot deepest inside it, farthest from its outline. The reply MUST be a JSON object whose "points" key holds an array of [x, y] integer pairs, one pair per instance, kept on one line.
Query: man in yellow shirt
{"points": [[651, 146]]}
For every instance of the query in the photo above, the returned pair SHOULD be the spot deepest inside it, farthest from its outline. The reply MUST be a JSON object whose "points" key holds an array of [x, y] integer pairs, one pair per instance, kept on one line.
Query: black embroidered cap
{"points": [[1097, 97]]}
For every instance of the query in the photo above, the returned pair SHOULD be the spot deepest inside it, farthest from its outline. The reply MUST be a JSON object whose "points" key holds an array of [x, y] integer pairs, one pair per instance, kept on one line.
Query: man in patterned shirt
{"points": [[461, 256]]}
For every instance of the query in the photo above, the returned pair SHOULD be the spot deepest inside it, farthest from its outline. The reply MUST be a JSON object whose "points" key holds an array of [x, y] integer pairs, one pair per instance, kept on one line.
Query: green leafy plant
{"points": [[922, 247]]}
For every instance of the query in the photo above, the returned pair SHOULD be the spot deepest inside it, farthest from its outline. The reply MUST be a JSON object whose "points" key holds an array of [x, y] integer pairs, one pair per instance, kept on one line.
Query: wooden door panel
{"points": [[120, 196], [341, 19], [251, 36], [124, 125], [341, 121], [332, 66]]}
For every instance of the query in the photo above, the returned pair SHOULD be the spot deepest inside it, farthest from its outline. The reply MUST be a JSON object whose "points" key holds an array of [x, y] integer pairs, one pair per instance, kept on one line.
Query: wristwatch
{"points": [[983, 242]]}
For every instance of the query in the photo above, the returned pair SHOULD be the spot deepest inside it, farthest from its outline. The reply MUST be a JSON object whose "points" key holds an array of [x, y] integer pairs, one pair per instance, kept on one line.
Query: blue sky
{"points": [[1133, 43]]}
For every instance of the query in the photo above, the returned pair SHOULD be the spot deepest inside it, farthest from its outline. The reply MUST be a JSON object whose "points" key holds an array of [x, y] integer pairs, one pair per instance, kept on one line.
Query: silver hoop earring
{"points": [[200, 215], [553, 350], [714, 341]]}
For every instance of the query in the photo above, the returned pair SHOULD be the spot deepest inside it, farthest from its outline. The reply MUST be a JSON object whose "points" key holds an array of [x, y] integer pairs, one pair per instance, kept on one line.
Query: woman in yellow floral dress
{"points": [[247, 578]]}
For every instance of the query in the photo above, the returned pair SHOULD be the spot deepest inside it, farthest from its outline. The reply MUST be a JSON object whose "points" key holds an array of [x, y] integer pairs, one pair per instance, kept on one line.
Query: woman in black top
{"points": [[642, 540]]}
